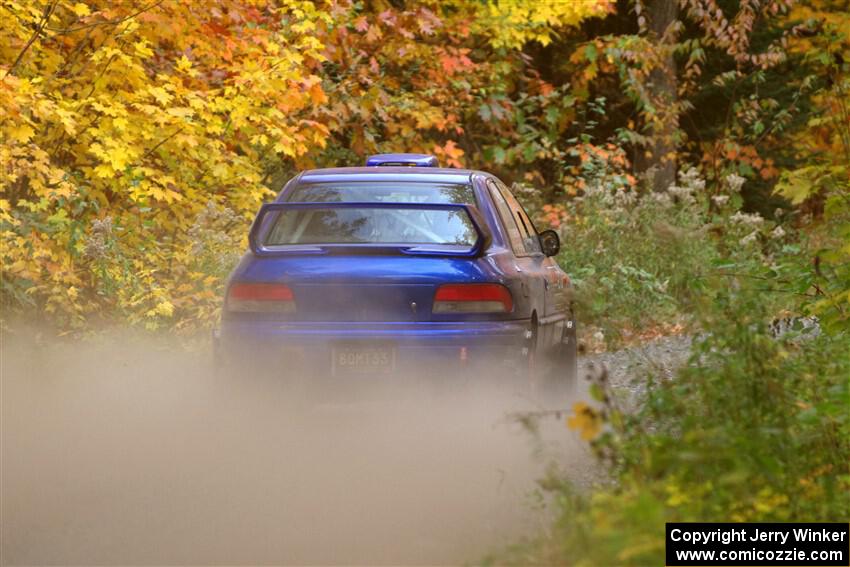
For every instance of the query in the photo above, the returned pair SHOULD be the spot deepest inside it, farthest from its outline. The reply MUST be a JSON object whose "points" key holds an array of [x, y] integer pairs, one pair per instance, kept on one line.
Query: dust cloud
{"points": [[124, 451]]}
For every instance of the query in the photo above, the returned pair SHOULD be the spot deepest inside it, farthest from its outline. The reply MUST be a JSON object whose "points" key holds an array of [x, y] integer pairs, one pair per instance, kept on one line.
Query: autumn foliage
{"points": [[122, 122], [138, 138]]}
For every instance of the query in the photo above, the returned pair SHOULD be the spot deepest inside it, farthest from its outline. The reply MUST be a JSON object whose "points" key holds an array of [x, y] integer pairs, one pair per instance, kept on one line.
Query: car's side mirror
{"points": [[550, 242]]}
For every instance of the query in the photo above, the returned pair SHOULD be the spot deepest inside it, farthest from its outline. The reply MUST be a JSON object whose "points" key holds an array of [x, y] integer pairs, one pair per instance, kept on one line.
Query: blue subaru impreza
{"points": [[400, 265]]}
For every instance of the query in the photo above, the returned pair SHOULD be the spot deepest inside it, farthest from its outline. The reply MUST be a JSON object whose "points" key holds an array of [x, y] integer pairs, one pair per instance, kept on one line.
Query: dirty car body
{"points": [[384, 267]]}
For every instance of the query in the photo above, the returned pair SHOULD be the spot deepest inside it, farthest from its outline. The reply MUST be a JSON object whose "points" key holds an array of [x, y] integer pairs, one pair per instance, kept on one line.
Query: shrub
{"points": [[753, 428], [638, 259]]}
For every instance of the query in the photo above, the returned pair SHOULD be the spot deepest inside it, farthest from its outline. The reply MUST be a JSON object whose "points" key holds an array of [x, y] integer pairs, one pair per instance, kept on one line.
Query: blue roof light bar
{"points": [[408, 160]]}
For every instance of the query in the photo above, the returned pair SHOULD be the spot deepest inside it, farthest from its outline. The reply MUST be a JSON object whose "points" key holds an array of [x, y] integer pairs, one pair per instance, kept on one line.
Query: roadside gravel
{"points": [[627, 372], [628, 368]]}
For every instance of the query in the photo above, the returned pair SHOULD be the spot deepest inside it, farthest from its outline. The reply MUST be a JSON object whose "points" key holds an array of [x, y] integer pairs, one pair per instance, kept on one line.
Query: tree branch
{"points": [[158, 144], [106, 22], [48, 11]]}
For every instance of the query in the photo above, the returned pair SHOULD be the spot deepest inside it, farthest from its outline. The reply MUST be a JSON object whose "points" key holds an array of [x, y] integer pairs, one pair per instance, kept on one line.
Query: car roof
{"points": [[389, 173]]}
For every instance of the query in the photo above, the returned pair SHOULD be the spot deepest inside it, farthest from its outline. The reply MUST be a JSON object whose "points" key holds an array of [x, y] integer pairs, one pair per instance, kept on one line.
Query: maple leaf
{"points": [[361, 24], [451, 152], [374, 33], [586, 420], [81, 9], [21, 133], [317, 94], [160, 95], [184, 65], [449, 63]]}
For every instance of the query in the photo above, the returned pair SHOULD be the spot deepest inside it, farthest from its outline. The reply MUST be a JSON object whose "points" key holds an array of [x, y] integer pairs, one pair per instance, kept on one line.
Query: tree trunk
{"points": [[660, 165]]}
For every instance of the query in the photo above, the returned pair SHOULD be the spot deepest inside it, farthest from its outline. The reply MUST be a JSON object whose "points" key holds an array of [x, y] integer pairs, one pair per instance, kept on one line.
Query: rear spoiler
{"points": [[261, 226]]}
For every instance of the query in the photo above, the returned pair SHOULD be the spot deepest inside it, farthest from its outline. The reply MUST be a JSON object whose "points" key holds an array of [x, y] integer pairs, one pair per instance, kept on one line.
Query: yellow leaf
{"points": [[22, 132], [586, 420], [183, 64], [118, 157], [68, 121], [180, 112], [142, 50], [81, 9], [797, 185], [161, 95], [220, 170], [104, 170], [165, 309]]}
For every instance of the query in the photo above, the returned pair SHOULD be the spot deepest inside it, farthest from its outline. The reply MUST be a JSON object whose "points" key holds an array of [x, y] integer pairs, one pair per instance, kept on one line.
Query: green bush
{"points": [[639, 259], [753, 428]]}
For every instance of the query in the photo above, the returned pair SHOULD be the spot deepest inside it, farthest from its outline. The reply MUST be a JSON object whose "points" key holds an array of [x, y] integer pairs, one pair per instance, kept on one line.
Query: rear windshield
{"points": [[368, 225], [383, 192]]}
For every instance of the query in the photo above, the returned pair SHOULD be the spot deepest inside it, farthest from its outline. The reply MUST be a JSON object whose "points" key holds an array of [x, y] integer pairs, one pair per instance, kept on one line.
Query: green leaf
{"points": [[796, 186]]}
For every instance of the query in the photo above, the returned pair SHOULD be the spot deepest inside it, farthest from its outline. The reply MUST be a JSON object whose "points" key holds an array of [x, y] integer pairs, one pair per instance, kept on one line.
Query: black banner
{"points": [[744, 544]]}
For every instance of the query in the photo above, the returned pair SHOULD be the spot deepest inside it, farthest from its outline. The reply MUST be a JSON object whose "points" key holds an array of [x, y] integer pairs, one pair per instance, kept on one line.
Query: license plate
{"points": [[363, 359]]}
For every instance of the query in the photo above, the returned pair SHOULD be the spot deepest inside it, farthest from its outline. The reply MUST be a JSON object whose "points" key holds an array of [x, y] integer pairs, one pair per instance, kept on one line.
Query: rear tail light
{"points": [[249, 297], [473, 298]]}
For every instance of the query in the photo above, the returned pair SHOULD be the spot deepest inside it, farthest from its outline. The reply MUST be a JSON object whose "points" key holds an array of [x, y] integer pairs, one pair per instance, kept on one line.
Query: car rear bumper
{"points": [[312, 344]]}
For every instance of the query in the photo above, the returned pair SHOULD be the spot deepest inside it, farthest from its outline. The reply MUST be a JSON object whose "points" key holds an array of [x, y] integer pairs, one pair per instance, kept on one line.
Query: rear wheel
{"points": [[531, 368], [552, 376], [562, 372]]}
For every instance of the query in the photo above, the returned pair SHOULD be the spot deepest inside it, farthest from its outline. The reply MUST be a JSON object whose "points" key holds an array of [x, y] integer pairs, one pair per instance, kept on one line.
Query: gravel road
{"points": [[118, 451], [628, 368]]}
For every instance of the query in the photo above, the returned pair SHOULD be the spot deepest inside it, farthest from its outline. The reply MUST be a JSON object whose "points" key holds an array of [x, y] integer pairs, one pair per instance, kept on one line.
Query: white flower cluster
{"points": [[690, 184], [624, 197], [735, 182], [751, 237], [682, 193], [753, 220], [610, 195], [662, 199], [692, 179]]}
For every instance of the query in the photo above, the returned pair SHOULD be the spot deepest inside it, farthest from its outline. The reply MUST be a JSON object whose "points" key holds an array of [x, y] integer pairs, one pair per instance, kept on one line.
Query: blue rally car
{"points": [[400, 265]]}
